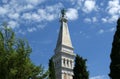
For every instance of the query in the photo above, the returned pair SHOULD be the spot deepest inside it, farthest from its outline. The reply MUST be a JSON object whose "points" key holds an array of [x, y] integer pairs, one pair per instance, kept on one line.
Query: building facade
{"points": [[64, 53]]}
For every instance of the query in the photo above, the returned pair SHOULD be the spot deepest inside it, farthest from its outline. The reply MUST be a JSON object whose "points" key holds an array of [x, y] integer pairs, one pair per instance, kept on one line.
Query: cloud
{"points": [[110, 19], [31, 29], [111, 29], [4, 1], [13, 24], [13, 15], [72, 1], [21, 32], [99, 77], [72, 14], [3, 11], [20, 13], [113, 18], [35, 17], [89, 20], [94, 19], [101, 31], [49, 13], [28, 7], [113, 7], [35, 2], [41, 26], [104, 20], [45, 15], [27, 16], [89, 5]]}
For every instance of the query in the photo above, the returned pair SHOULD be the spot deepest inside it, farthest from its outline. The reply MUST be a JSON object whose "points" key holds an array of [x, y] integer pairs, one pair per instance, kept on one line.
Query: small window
{"points": [[64, 62], [68, 62], [71, 63]]}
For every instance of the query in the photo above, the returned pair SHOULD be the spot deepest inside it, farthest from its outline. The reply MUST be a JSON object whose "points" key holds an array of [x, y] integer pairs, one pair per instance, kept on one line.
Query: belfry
{"points": [[64, 53]]}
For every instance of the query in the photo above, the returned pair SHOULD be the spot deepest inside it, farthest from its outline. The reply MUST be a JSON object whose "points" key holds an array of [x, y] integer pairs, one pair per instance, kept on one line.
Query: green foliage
{"points": [[15, 60], [115, 54], [51, 69], [80, 69]]}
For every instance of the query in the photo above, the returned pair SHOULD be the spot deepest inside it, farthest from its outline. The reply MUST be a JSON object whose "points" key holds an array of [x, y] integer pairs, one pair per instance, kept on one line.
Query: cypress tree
{"points": [[51, 69], [115, 54], [80, 69]]}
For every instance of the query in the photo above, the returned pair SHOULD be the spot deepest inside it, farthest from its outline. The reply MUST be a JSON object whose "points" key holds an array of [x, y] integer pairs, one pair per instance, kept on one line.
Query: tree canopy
{"points": [[115, 54], [51, 69], [15, 60], [80, 68]]}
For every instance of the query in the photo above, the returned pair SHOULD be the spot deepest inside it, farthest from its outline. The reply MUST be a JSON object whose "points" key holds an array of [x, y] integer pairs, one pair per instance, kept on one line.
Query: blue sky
{"points": [[92, 24]]}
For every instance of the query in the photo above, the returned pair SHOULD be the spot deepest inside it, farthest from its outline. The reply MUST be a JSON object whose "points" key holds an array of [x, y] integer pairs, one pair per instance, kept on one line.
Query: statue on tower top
{"points": [[63, 12], [63, 16]]}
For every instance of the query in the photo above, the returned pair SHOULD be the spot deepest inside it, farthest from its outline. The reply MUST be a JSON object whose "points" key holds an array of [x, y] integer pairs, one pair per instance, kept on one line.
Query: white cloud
{"points": [[27, 16], [4, 1], [72, 1], [72, 14], [101, 4], [113, 18], [99, 77], [52, 12], [113, 7], [41, 26], [113, 10], [35, 2], [21, 32], [45, 15], [27, 12], [104, 20], [13, 24], [101, 31], [35, 17], [87, 20], [3, 11], [28, 6], [110, 19], [94, 19], [31, 29], [89, 5], [13, 15], [111, 29]]}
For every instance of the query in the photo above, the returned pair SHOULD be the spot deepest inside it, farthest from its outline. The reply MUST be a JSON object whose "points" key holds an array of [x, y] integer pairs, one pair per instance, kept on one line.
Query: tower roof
{"points": [[64, 36]]}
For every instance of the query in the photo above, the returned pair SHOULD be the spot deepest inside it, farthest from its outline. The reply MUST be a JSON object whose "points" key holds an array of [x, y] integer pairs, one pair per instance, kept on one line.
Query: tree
{"points": [[51, 69], [115, 54], [80, 69], [15, 60]]}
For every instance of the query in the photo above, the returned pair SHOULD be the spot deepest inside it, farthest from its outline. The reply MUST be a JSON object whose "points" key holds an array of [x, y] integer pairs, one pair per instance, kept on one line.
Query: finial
{"points": [[63, 12]]}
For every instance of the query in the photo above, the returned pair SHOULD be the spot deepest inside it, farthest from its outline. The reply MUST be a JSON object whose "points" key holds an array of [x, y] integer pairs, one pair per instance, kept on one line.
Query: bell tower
{"points": [[64, 53]]}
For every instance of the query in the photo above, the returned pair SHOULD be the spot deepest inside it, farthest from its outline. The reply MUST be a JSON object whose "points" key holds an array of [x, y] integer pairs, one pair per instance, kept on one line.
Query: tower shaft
{"points": [[64, 55]]}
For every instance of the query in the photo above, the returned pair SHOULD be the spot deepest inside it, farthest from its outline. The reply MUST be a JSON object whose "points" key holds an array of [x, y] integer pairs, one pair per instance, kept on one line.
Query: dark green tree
{"points": [[115, 54], [15, 60], [80, 68], [51, 69]]}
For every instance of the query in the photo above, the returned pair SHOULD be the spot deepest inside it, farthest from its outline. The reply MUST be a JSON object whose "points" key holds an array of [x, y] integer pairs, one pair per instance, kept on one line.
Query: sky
{"points": [[92, 24]]}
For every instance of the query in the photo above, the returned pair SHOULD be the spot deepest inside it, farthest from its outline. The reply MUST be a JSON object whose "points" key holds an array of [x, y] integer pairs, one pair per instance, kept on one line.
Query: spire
{"points": [[64, 36]]}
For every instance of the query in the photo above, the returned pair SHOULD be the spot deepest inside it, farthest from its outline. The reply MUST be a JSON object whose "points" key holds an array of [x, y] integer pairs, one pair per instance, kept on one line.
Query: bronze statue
{"points": [[63, 11]]}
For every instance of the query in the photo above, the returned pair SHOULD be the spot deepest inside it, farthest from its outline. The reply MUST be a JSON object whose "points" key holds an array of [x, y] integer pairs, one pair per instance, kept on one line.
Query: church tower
{"points": [[64, 55]]}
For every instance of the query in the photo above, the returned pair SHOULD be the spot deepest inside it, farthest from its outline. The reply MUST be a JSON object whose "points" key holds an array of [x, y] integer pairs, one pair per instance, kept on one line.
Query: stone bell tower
{"points": [[64, 54]]}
